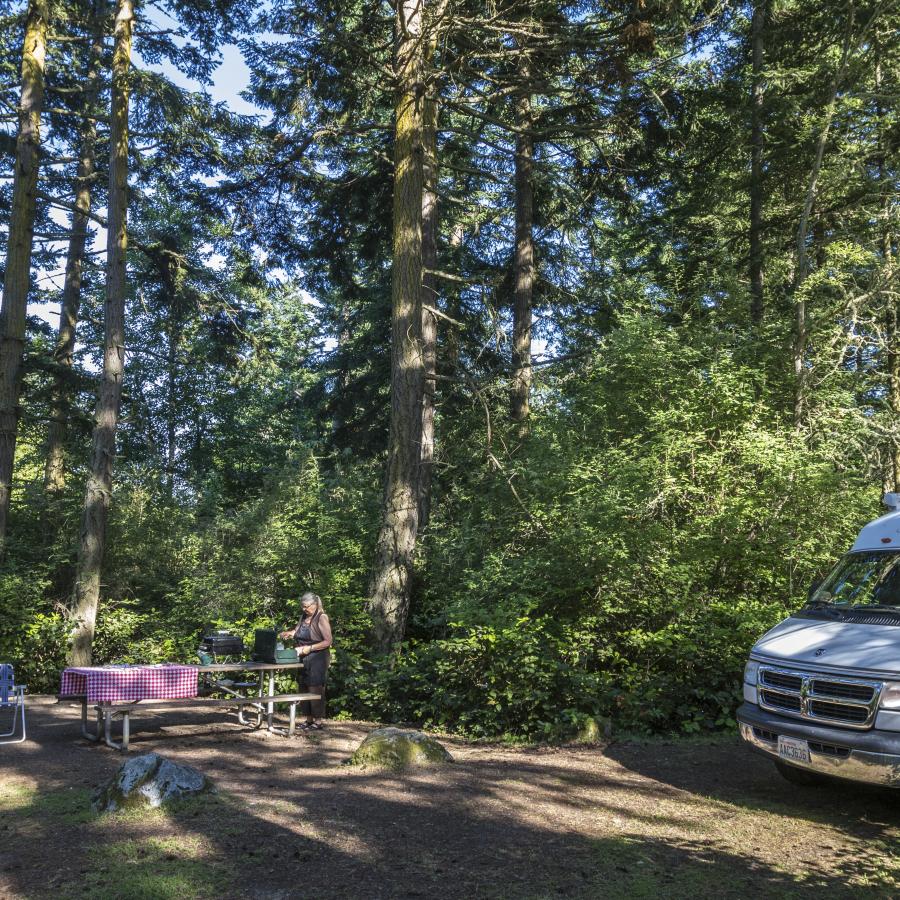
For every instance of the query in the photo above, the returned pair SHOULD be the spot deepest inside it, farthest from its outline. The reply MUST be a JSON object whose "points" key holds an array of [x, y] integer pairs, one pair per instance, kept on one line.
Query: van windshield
{"points": [[871, 578]]}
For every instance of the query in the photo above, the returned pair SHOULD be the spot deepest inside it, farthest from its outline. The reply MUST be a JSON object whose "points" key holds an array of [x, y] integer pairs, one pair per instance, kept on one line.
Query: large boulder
{"points": [[149, 780], [399, 748]]}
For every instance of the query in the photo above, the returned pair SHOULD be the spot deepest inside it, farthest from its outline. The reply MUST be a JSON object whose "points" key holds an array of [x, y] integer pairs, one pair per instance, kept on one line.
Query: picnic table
{"points": [[119, 690]]}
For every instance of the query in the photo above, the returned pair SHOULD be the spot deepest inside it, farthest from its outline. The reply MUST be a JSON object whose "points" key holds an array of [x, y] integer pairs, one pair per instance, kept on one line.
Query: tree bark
{"points": [[523, 258], [892, 336], [172, 402], [55, 467], [887, 251], [454, 302], [21, 237], [430, 220], [390, 587], [86, 596], [757, 299], [174, 278]]}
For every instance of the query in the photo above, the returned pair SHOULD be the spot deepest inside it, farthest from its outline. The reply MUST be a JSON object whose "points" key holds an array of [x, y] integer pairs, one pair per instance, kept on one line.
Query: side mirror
{"points": [[817, 583]]}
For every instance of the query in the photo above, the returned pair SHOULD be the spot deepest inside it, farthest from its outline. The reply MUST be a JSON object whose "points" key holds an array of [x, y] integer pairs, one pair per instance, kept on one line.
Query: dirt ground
{"points": [[655, 818]]}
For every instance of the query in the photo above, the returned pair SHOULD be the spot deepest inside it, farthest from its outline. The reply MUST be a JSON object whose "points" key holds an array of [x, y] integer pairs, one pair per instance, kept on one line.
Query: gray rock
{"points": [[399, 748], [149, 780]]}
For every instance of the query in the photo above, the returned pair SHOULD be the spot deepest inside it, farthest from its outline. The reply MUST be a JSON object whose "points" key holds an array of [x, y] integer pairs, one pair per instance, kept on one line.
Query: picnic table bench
{"points": [[107, 711], [125, 690]]}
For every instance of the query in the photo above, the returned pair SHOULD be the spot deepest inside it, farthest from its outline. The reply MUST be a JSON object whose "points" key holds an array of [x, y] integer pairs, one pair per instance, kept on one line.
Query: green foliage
{"points": [[670, 517], [32, 633], [664, 510]]}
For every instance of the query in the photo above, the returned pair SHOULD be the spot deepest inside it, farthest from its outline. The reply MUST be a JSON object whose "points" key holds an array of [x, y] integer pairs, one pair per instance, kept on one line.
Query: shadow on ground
{"points": [[675, 819], [725, 769]]}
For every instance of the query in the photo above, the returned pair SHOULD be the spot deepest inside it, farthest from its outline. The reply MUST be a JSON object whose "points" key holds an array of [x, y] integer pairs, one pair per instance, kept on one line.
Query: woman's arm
{"points": [[287, 634]]}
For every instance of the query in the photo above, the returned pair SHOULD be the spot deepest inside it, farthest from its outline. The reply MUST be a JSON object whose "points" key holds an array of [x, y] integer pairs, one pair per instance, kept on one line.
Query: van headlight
{"points": [[890, 696], [752, 669]]}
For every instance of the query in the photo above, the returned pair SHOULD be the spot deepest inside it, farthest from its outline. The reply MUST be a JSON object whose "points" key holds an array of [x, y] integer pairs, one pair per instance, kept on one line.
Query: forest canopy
{"points": [[555, 345]]}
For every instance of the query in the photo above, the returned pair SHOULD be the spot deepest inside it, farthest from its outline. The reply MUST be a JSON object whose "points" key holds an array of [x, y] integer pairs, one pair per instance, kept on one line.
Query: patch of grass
{"points": [[188, 807], [635, 867], [878, 868], [15, 795], [150, 869], [66, 806]]}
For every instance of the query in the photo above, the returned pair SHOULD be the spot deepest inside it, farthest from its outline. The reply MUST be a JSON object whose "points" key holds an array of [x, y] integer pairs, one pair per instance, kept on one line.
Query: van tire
{"points": [[802, 777]]}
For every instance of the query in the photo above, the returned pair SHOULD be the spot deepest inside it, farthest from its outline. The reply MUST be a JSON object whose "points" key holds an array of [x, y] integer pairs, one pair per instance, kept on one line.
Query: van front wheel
{"points": [[802, 777]]}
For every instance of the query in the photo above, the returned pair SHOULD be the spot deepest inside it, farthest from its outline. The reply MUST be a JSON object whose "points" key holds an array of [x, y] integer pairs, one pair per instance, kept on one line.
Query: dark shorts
{"points": [[315, 667]]}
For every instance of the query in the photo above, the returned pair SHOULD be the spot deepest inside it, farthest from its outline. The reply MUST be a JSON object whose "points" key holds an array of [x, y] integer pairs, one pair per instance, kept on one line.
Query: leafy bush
{"points": [[663, 517]]}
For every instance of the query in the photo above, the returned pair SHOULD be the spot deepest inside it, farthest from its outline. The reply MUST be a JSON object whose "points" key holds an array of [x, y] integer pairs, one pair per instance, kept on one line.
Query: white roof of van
{"points": [[882, 533]]}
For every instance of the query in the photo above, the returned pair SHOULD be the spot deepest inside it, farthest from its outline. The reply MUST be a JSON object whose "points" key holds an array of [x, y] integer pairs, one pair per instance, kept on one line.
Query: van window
{"points": [[861, 579]]}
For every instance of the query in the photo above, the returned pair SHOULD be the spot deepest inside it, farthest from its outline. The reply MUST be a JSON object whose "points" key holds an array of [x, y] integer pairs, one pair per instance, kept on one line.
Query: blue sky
{"points": [[230, 78]]}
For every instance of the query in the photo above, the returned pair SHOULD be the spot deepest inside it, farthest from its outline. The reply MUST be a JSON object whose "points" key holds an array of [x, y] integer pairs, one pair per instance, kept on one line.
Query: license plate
{"points": [[793, 750]]}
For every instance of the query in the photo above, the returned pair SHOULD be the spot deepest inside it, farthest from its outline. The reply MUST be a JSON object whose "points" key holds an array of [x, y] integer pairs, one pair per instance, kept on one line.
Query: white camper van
{"points": [[822, 688]]}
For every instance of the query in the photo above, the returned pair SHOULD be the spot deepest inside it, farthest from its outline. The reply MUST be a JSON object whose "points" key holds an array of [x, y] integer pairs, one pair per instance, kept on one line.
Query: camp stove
{"points": [[220, 644]]}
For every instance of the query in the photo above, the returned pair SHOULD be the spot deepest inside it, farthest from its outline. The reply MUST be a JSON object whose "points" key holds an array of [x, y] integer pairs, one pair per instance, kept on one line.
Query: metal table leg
{"points": [[270, 715], [257, 709], [125, 730], [84, 729]]}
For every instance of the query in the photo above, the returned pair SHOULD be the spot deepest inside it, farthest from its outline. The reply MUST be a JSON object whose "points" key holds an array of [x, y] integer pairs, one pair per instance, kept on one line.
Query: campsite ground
{"points": [[635, 818]]}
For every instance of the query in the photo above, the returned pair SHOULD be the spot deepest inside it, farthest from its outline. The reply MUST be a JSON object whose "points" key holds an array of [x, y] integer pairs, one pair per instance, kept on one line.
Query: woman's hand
{"points": [[286, 634]]}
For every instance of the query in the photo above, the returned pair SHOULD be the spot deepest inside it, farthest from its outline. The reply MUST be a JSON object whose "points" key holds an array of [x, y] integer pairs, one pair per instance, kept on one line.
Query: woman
{"points": [[312, 638]]}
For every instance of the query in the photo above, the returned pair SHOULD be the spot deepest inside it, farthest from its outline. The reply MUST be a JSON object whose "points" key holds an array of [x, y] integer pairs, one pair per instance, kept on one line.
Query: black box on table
{"points": [[266, 649]]}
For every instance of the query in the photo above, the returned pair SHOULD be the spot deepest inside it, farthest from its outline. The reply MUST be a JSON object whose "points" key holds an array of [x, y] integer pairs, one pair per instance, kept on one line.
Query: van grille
{"points": [[829, 750], [847, 702], [771, 737], [822, 710], [841, 690], [783, 680], [782, 701]]}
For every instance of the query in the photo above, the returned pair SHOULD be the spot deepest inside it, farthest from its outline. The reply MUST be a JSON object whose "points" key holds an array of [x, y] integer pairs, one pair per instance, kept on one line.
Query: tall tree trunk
{"points": [[174, 279], [55, 467], [801, 254], [389, 601], [429, 301], [757, 300], [172, 401], [21, 237], [892, 338], [887, 251], [433, 16], [86, 596], [454, 302], [523, 258]]}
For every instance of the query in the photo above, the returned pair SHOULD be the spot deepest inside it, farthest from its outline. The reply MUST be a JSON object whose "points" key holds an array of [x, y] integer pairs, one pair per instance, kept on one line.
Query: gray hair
{"points": [[310, 597]]}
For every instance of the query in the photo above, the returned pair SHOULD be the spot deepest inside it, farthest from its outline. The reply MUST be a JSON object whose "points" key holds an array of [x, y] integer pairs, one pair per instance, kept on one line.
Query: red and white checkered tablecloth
{"points": [[109, 684]]}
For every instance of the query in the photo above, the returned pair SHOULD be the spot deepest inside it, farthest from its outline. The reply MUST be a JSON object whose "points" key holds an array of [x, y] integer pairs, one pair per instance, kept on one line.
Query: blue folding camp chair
{"points": [[12, 696]]}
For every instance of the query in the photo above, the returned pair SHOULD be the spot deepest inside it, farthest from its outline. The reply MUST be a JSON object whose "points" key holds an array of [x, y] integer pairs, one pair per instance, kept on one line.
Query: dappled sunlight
{"points": [[496, 822], [745, 781]]}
